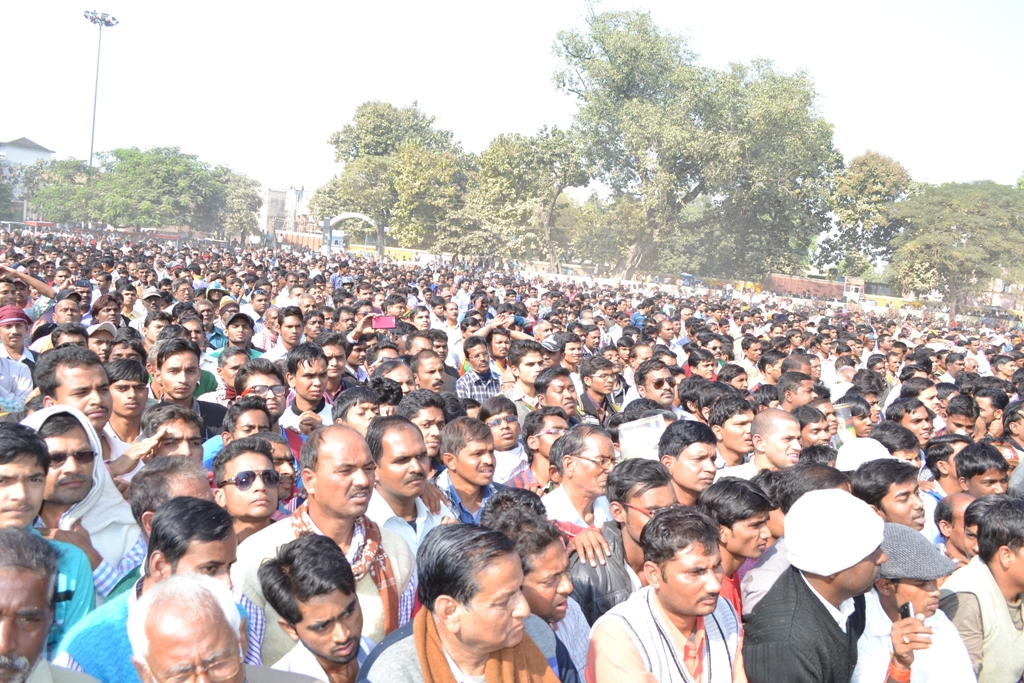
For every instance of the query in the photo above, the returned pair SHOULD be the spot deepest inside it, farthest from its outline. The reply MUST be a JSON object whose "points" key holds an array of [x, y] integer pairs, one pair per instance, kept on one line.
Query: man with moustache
{"points": [[402, 466], [678, 620]]}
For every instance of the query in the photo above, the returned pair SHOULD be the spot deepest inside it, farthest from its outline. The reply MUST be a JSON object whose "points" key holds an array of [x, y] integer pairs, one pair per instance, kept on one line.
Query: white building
{"points": [[23, 151]]}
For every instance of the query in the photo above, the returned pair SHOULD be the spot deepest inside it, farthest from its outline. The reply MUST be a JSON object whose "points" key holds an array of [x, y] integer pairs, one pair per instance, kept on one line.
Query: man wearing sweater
{"points": [[674, 623], [983, 598], [806, 627], [338, 474]]}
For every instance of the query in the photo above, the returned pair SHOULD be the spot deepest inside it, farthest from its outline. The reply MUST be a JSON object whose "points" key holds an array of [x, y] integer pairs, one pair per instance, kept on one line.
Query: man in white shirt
{"points": [[583, 457], [402, 465], [926, 642], [327, 625]]}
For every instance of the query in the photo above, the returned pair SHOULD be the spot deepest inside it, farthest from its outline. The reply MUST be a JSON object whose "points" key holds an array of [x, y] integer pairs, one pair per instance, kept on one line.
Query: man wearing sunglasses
{"points": [[654, 381], [247, 484], [81, 503]]}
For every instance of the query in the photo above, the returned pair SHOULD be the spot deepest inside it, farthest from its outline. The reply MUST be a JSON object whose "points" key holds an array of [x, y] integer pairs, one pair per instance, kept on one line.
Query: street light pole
{"points": [[100, 20]]}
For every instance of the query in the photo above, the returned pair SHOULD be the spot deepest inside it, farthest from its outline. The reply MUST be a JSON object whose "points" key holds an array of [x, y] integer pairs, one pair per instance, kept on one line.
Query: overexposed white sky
{"points": [[259, 86]]}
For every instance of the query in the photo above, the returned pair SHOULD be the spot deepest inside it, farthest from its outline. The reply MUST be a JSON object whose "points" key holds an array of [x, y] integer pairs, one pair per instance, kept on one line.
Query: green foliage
{"points": [[242, 200], [665, 132], [958, 237], [865, 198]]}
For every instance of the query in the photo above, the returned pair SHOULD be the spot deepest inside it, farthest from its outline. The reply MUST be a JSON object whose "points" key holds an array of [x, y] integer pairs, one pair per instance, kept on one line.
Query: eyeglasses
{"points": [[557, 431], [649, 512], [263, 390], [244, 480], [496, 422], [603, 463], [221, 670], [81, 457], [659, 384]]}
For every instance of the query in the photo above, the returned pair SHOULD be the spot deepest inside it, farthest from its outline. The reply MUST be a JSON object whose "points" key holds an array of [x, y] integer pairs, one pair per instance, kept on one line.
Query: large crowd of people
{"points": [[254, 464]]}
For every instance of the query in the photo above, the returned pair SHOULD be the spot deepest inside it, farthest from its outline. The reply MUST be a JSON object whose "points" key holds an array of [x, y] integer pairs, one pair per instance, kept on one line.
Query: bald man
{"points": [[776, 437]]}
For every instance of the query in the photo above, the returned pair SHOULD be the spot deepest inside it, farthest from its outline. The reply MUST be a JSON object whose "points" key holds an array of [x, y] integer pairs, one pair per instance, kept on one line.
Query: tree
{"points": [[238, 213], [519, 184], [666, 132], [398, 169], [958, 238], [65, 192], [865, 197]]}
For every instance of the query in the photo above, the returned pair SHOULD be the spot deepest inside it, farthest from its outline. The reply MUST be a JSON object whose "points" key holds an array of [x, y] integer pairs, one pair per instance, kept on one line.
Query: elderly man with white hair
{"points": [[188, 625]]}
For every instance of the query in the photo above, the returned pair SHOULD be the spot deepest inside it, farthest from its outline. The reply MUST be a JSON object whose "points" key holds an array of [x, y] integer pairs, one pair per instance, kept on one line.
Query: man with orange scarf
{"points": [[338, 474], [475, 623]]}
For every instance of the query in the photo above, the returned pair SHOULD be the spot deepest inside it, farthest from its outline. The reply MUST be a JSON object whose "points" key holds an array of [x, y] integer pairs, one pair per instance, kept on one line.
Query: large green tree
{"points": [[958, 238], [666, 132], [866, 193], [518, 186], [399, 169], [236, 211]]}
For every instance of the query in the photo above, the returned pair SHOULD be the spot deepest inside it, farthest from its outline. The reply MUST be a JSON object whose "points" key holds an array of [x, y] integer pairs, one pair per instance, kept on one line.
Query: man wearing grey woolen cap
{"points": [[897, 647]]}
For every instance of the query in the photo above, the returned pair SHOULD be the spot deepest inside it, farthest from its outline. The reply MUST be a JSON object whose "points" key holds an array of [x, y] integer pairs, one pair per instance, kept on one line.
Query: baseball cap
{"points": [[239, 315], [67, 294], [150, 292], [99, 327], [553, 343], [83, 283]]}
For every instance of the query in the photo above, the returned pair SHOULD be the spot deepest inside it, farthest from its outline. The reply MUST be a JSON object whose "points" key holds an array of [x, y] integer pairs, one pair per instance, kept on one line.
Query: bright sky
{"points": [[934, 84]]}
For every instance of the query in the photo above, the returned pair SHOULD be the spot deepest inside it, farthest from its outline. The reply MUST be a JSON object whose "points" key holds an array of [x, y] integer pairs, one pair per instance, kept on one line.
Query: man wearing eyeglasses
{"points": [[247, 484], [598, 376], [583, 458]]}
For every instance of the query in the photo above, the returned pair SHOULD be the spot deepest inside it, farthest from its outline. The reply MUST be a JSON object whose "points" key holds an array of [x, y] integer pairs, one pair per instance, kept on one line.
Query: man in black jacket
{"points": [[806, 627], [637, 488]]}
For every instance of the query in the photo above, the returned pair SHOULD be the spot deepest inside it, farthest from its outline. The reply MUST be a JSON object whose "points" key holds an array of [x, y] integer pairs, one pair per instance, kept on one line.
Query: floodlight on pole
{"points": [[101, 20]]}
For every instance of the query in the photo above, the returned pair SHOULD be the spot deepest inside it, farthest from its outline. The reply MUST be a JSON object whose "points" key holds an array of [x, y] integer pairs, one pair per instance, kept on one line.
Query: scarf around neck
{"points": [[372, 559], [524, 663]]}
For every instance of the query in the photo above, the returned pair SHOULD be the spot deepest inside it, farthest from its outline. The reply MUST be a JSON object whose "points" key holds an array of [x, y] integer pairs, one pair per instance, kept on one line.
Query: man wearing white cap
{"points": [[806, 627]]}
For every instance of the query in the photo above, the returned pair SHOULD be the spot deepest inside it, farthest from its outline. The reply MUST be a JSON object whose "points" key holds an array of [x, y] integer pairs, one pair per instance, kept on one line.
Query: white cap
{"points": [[830, 530], [855, 453], [109, 327]]}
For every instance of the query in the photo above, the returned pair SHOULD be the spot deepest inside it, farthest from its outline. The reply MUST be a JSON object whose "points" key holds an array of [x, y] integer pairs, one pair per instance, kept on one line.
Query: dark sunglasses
{"points": [[659, 384], [81, 457], [244, 480]]}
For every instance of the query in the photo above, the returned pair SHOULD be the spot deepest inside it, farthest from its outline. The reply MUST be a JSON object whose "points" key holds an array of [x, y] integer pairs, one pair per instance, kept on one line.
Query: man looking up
{"points": [[28, 579], [311, 585], [246, 484], [307, 377], [672, 622], [338, 474], [401, 466], [473, 619], [637, 490], [583, 458], [687, 449], [741, 511], [467, 481], [816, 608]]}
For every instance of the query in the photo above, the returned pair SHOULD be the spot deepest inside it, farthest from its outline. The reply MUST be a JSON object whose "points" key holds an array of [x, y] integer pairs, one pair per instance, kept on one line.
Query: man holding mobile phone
{"points": [[906, 637]]}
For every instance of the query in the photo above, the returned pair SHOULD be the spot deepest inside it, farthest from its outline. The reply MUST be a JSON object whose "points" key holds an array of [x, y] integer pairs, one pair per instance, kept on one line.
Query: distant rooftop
{"points": [[25, 143]]}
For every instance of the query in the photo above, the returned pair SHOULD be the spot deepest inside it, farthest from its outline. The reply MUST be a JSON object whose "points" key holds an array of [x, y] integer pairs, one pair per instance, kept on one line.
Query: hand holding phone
{"points": [[906, 610]]}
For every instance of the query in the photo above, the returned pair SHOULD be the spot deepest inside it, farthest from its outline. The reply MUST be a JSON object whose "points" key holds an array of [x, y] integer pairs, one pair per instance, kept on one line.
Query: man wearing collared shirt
{"points": [[479, 382], [467, 451], [402, 465], [583, 458]]}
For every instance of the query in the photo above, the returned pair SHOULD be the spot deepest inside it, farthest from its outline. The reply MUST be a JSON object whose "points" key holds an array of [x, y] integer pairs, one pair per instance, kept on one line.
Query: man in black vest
{"points": [[806, 627]]}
